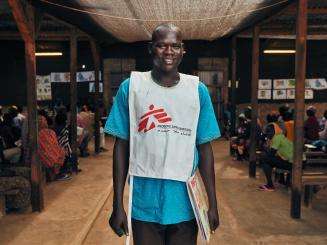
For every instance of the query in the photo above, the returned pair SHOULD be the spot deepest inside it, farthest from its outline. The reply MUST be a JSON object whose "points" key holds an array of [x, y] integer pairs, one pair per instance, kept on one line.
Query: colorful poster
{"points": [[265, 84], [279, 94], [60, 77], [64, 77], [92, 87], [290, 94], [280, 84], [43, 87], [316, 83], [308, 94], [264, 94]]}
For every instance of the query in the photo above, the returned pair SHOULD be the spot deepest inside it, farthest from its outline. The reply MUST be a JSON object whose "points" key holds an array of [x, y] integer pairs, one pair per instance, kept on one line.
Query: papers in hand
{"points": [[197, 195]]}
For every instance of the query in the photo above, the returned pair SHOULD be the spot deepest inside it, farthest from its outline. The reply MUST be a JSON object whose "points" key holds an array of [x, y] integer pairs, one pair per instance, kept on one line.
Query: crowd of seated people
{"points": [[54, 149], [278, 149]]}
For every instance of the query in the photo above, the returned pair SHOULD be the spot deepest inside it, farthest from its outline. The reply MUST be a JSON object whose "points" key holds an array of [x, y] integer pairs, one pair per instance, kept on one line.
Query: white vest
{"points": [[163, 123]]}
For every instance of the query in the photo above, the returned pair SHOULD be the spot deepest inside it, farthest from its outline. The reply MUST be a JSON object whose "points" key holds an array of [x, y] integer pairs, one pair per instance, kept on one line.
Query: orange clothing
{"points": [[289, 126]]}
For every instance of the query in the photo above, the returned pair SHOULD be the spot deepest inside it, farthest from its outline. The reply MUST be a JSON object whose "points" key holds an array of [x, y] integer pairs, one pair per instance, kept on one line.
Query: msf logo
{"points": [[148, 120]]}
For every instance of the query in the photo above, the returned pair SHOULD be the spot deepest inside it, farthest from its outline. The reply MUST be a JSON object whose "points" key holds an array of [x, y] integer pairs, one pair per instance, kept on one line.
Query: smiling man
{"points": [[163, 122]]}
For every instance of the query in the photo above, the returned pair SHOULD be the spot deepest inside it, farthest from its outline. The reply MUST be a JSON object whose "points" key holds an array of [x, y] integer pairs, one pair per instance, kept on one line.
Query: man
{"points": [[311, 126], [279, 154], [164, 121]]}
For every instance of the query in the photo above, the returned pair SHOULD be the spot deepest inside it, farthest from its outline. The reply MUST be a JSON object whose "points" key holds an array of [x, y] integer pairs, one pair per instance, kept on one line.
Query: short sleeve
{"points": [[207, 129], [118, 121], [275, 143]]}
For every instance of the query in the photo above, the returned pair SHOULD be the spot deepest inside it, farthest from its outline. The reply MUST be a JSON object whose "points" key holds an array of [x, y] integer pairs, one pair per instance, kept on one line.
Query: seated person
{"points": [[289, 125], [311, 126], [323, 132], [51, 155], [9, 140], [240, 142], [278, 154]]}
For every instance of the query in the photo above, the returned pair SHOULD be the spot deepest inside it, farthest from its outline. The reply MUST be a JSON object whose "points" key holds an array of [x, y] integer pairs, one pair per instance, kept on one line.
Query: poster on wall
{"points": [[43, 87], [92, 87], [290, 94], [265, 84], [279, 94], [308, 94], [316, 83], [264, 94], [284, 83], [60, 77], [86, 76]]}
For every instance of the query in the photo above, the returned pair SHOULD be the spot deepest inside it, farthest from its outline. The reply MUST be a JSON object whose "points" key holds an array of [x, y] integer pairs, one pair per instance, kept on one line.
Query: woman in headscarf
{"points": [[51, 155]]}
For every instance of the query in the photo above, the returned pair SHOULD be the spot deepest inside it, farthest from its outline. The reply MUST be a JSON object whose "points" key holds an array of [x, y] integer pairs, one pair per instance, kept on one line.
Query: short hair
{"points": [[165, 26]]}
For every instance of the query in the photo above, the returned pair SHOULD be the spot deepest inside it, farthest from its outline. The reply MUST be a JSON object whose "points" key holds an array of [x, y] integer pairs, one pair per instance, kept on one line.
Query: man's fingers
{"points": [[125, 225]]}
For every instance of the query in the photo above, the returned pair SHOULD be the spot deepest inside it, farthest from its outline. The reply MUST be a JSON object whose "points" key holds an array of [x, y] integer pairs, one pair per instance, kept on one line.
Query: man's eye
{"points": [[176, 46]]}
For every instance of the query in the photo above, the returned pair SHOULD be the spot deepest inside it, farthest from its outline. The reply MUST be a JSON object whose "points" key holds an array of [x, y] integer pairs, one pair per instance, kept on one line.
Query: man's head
{"points": [[270, 131], [311, 111], [166, 47]]}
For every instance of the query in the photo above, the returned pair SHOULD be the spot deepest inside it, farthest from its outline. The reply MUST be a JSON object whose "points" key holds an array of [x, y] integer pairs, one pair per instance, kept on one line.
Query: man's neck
{"points": [[166, 79]]}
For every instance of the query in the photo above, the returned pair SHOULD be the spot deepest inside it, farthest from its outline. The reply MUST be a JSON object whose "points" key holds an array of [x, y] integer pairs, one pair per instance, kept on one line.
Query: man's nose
{"points": [[168, 49]]}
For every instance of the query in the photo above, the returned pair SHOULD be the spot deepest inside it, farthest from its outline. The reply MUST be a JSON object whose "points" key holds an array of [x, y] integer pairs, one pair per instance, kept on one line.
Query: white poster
{"points": [[92, 87], [280, 84], [290, 94], [82, 76], [264, 94], [265, 84], [60, 77], [316, 83], [308, 94], [43, 87], [279, 94]]}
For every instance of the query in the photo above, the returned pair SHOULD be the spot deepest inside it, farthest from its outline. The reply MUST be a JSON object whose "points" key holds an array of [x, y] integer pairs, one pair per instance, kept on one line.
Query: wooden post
{"points": [[300, 75], [96, 59], [73, 94], [25, 21], [107, 93], [233, 86], [254, 101]]}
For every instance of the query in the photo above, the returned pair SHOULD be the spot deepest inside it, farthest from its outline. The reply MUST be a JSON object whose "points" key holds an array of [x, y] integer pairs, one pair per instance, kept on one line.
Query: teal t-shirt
{"points": [[157, 200]]}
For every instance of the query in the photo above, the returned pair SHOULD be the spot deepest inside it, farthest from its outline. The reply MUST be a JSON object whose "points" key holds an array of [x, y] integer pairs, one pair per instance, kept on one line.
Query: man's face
{"points": [[167, 51]]}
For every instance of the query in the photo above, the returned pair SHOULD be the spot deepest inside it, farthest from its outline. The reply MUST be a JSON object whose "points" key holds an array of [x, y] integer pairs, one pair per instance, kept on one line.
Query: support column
{"points": [[24, 17], [300, 75], [233, 86], [96, 58], [73, 94], [254, 101]]}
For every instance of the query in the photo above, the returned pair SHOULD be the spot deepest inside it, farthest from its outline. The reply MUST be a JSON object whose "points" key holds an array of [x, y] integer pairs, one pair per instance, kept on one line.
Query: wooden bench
{"points": [[3, 195], [314, 173]]}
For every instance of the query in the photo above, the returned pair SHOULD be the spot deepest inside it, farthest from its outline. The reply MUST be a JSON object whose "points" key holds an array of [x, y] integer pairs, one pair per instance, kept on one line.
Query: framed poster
{"points": [[316, 83], [264, 94], [289, 83], [279, 94], [92, 87], [280, 84], [43, 87], [290, 94], [265, 84], [308, 94]]}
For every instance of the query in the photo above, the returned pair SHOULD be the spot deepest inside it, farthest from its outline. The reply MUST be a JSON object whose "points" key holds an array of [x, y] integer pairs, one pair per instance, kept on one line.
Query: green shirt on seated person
{"points": [[283, 146]]}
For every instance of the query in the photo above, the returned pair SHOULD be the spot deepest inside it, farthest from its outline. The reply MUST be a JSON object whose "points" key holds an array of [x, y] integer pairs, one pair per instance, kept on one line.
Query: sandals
{"points": [[266, 188]]}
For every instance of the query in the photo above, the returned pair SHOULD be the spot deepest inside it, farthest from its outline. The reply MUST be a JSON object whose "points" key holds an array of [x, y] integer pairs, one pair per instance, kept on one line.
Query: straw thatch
{"points": [[134, 20]]}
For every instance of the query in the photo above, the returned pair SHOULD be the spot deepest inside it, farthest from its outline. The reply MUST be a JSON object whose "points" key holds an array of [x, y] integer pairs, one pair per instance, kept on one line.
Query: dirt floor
{"points": [[247, 215]]}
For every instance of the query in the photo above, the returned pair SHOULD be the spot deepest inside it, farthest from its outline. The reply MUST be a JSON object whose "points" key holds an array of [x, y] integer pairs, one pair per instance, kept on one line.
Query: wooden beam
{"points": [[96, 58], [292, 10], [233, 85], [283, 35], [44, 36], [254, 101], [300, 75], [73, 95], [107, 87], [24, 18]]}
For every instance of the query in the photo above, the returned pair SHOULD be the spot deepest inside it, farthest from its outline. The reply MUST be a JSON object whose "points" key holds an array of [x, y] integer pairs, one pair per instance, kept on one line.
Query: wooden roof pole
{"points": [[300, 75], [233, 85], [254, 101], [73, 94], [25, 21], [96, 58]]}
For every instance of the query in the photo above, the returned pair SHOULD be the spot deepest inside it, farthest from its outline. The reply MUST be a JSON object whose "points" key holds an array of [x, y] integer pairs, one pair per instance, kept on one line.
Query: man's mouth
{"points": [[168, 61]]}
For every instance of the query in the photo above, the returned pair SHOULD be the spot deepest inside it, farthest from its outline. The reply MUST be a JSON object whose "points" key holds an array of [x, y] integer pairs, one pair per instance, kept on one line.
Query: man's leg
{"points": [[184, 233], [147, 233]]}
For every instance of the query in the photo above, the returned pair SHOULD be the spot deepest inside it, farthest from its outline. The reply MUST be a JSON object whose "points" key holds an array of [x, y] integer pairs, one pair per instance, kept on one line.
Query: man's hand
{"points": [[118, 221], [213, 219]]}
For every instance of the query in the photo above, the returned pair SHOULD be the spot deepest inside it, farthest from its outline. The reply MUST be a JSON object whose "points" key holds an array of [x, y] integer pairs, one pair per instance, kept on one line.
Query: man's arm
{"points": [[207, 172], [118, 219]]}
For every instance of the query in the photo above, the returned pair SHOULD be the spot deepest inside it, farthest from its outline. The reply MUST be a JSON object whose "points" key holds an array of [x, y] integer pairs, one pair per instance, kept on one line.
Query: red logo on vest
{"points": [[149, 119]]}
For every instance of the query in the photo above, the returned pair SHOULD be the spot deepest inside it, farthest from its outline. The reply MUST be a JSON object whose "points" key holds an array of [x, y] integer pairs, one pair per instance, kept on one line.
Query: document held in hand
{"points": [[198, 198]]}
